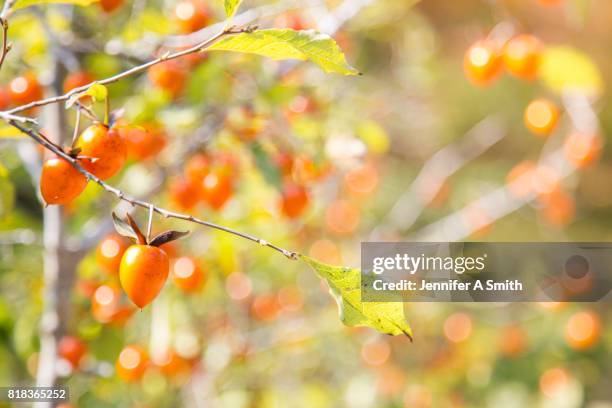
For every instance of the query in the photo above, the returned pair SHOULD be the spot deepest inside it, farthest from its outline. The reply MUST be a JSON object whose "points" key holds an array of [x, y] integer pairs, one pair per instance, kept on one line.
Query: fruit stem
{"points": [[77, 125], [150, 224]]}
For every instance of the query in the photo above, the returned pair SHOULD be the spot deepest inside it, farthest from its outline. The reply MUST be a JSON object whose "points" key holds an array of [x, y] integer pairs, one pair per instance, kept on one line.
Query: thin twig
{"points": [[150, 223], [166, 57], [140, 203], [77, 125], [5, 45]]}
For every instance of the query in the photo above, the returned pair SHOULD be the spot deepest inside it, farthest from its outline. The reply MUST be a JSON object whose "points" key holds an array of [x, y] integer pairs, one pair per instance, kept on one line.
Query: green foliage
{"points": [[231, 6], [268, 170], [290, 44], [7, 193], [345, 287]]}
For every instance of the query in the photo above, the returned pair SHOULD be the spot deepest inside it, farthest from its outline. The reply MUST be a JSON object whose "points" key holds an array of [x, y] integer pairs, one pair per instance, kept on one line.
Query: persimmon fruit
{"points": [[106, 148], [187, 275], [72, 349], [143, 273], [25, 89], [482, 63], [217, 188], [294, 200], [60, 182], [170, 76], [131, 363], [191, 15], [522, 56], [143, 142], [110, 251], [110, 5]]}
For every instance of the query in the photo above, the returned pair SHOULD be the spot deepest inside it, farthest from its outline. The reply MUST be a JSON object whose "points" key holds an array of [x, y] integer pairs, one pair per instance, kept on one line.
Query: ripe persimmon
{"points": [[72, 349], [25, 89], [191, 15], [105, 147], [172, 364], [110, 5], [131, 363], [187, 275], [144, 266], [60, 182], [143, 142], [170, 76], [110, 251], [197, 167], [522, 55], [217, 188], [482, 63], [5, 98], [294, 200], [143, 273], [284, 161], [184, 194]]}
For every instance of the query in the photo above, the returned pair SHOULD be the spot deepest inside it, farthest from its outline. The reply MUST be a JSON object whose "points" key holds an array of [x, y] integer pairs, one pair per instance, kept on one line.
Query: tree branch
{"points": [[166, 57], [140, 203]]}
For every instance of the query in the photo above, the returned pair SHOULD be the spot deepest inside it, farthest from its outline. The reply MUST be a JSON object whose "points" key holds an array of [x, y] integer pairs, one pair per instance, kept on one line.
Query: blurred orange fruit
{"points": [[583, 330], [522, 55], [541, 117], [131, 363], [482, 62]]}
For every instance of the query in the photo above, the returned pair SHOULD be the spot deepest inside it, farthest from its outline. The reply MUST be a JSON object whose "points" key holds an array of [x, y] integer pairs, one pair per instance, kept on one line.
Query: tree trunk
{"points": [[59, 263]]}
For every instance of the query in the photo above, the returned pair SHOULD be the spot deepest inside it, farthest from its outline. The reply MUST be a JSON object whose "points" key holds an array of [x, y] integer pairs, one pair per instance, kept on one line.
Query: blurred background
{"points": [[473, 120]]}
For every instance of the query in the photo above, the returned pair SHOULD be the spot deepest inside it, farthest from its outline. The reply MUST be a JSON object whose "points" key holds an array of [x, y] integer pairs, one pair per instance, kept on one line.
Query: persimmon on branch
{"points": [[40, 139]]}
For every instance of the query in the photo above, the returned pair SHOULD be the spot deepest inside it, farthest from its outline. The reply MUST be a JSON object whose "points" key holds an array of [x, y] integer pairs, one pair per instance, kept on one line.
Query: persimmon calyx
{"points": [[128, 228]]}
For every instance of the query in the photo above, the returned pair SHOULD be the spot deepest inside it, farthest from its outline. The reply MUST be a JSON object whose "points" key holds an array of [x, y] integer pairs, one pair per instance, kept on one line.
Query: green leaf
{"points": [[565, 69], [290, 44], [231, 6], [98, 93], [27, 3], [345, 287], [269, 171], [7, 193]]}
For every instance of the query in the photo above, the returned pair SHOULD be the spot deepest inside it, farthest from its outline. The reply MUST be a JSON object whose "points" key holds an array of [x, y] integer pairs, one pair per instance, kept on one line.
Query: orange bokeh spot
{"points": [[326, 251], [520, 179], [482, 63], [582, 150], [458, 327], [541, 117], [583, 330], [513, 341], [553, 381], [342, 217], [238, 286], [363, 180], [376, 352], [559, 208]]}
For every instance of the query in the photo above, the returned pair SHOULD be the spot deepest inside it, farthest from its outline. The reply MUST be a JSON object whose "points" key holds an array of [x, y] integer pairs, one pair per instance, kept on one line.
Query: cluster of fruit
{"points": [[521, 56], [132, 361], [102, 151]]}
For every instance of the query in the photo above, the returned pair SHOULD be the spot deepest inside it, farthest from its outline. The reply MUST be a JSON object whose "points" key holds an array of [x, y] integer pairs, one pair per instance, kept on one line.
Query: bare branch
{"points": [[5, 45], [140, 203], [166, 57]]}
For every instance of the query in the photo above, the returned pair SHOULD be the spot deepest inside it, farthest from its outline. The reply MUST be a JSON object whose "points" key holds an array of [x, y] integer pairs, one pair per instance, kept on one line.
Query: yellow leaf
{"points": [[565, 68]]}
